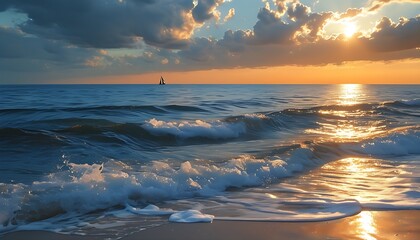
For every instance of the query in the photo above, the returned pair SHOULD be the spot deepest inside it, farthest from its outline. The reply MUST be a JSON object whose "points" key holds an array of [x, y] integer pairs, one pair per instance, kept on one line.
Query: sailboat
{"points": [[162, 81]]}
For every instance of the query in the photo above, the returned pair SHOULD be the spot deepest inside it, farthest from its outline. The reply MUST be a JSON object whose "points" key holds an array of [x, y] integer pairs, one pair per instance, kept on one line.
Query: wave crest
{"points": [[198, 128]]}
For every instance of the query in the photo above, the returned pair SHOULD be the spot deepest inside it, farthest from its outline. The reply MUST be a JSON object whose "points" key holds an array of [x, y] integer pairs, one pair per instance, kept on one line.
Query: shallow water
{"points": [[84, 158]]}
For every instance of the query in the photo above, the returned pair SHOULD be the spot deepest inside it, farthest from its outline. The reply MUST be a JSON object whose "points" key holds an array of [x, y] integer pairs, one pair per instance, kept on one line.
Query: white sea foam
{"points": [[204, 178], [151, 209], [397, 143], [270, 209], [85, 188], [256, 116], [412, 102], [11, 197], [197, 128], [191, 216], [88, 187]]}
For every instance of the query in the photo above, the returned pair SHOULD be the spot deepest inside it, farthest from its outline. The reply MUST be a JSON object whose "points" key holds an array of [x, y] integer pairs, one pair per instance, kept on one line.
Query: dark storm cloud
{"points": [[205, 10], [108, 23], [271, 29], [235, 41], [391, 36], [19, 52], [298, 11], [201, 49]]}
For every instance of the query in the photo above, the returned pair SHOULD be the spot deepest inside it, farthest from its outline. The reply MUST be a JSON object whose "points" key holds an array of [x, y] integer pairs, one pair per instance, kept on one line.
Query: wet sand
{"points": [[367, 225]]}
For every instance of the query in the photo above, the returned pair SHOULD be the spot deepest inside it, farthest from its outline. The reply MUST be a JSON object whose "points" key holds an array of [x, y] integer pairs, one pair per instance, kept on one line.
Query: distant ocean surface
{"points": [[111, 160]]}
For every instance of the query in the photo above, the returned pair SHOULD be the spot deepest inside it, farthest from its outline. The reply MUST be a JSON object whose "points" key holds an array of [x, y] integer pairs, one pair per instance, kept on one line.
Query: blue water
{"points": [[292, 152]]}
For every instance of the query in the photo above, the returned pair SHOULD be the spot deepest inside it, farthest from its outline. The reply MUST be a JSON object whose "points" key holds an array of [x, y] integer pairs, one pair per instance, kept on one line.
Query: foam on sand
{"points": [[191, 216], [151, 210]]}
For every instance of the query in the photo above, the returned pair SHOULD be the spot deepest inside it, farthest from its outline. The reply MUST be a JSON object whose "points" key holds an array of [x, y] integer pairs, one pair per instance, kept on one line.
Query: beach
{"points": [[365, 225]]}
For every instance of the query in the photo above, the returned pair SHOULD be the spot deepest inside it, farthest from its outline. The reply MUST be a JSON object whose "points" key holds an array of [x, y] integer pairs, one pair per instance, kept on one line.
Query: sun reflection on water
{"points": [[363, 180], [365, 226], [350, 94], [343, 131], [358, 178], [344, 122]]}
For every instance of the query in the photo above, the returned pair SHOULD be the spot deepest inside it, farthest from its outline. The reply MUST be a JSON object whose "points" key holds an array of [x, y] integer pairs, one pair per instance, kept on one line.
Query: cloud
{"points": [[236, 41], [298, 11], [299, 25], [351, 12], [110, 23], [95, 62], [390, 36], [205, 10], [55, 39], [200, 50], [377, 4], [42, 54], [230, 15], [29, 59], [389, 41], [332, 51], [271, 29], [281, 6]]}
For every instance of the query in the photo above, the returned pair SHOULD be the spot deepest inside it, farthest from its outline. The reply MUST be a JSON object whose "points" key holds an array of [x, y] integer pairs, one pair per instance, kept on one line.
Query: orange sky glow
{"points": [[361, 72]]}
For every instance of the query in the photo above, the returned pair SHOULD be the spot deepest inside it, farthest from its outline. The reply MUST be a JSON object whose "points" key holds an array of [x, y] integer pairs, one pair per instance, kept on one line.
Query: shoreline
{"points": [[401, 224]]}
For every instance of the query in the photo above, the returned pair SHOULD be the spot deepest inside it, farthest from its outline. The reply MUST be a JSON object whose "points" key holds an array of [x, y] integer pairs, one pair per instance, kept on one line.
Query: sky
{"points": [[210, 41]]}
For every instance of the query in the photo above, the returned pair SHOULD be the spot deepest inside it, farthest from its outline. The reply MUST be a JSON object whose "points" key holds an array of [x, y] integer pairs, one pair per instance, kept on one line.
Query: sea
{"points": [[113, 160]]}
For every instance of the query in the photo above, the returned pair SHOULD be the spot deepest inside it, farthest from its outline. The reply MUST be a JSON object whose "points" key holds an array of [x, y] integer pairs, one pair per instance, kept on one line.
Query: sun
{"points": [[349, 29]]}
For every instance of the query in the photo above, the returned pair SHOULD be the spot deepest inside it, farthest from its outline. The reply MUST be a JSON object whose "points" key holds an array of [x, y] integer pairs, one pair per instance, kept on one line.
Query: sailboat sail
{"points": [[162, 81]]}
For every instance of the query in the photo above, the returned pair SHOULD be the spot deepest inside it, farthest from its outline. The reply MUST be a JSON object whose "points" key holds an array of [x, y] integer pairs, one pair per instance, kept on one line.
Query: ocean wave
{"points": [[152, 130], [88, 187], [246, 126], [398, 142], [161, 131], [139, 108], [356, 110], [403, 107], [184, 108], [15, 136], [413, 102], [83, 188], [198, 128]]}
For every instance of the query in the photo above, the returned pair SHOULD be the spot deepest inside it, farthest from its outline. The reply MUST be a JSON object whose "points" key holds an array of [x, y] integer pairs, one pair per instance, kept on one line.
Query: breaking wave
{"points": [[84, 188], [191, 160]]}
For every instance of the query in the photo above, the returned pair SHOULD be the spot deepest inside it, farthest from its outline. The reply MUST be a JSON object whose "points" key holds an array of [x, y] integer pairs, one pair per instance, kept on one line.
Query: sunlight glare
{"points": [[272, 196], [349, 29]]}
